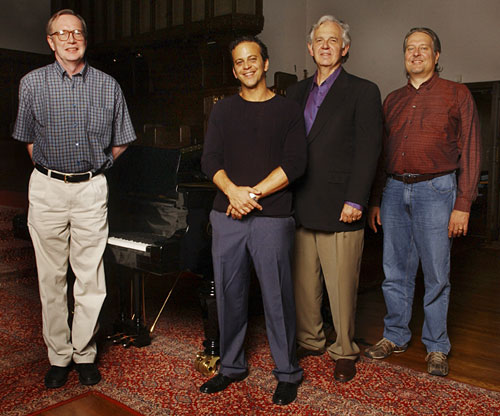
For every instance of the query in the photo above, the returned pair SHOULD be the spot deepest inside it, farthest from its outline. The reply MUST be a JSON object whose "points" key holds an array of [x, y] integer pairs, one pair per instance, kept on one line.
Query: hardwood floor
{"points": [[89, 405], [473, 318]]}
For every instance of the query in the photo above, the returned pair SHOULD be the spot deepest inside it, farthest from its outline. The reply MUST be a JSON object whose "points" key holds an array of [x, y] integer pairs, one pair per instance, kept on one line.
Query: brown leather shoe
{"points": [[345, 370]]}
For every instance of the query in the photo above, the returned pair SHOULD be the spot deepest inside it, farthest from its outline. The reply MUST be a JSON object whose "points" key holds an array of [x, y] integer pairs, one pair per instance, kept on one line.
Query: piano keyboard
{"points": [[130, 244]]}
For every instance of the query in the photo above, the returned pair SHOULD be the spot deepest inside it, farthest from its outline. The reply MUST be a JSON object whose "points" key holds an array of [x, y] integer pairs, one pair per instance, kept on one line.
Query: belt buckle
{"points": [[408, 178], [66, 178]]}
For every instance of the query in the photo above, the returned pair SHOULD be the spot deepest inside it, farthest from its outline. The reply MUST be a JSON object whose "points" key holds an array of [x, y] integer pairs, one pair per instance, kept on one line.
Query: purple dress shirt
{"points": [[314, 101]]}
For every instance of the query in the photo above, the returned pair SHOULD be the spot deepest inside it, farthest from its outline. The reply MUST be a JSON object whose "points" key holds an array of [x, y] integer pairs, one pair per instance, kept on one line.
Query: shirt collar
{"points": [[327, 82], [60, 71], [426, 85]]}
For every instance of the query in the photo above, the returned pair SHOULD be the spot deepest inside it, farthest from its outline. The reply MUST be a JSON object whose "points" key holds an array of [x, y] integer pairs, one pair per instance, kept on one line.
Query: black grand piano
{"points": [[159, 202]]}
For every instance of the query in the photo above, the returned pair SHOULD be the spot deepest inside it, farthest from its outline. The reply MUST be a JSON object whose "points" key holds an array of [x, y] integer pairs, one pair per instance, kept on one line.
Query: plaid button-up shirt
{"points": [[72, 122]]}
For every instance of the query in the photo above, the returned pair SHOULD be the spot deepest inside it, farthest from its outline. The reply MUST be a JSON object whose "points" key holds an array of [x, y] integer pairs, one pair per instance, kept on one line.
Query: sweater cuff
{"points": [[354, 205]]}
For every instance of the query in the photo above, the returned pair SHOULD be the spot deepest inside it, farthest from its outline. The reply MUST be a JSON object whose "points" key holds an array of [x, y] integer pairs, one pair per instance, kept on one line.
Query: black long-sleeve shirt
{"points": [[248, 140]]}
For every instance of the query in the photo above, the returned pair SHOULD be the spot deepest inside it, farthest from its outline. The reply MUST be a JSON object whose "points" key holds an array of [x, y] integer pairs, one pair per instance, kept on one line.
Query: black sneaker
{"points": [[56, 376], [89, 374]]}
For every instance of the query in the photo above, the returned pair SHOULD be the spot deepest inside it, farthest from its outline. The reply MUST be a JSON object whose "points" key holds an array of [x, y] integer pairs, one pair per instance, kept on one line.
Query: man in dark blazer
{"points": [[344, 127]]}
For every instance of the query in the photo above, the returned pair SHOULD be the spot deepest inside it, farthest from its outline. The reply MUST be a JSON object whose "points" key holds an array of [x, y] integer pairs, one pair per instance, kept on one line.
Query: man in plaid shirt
{"points": [[75, 123]]}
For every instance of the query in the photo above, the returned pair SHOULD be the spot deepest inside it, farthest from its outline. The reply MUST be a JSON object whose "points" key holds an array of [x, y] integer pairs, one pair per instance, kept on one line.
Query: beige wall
{"points": [[469, 31], [284, 35]]}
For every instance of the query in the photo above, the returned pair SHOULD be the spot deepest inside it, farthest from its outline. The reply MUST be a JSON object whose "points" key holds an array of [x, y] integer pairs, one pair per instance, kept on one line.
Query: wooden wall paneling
{"points": [[161, 14], [111, 20], [145, 20], [487, 96], [246, 6], [135, 18], [494, 172], [99, 22], [126, 18], [178, 14], [198, 10]]}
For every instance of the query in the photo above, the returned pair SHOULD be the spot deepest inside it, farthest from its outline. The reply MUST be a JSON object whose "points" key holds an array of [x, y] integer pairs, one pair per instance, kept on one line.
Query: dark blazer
{"points": [[343, 148]]}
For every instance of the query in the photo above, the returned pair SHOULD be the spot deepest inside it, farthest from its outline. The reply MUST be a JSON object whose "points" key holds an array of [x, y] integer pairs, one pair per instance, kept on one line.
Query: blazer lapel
{"points": [[305, 92], [333, 100]]}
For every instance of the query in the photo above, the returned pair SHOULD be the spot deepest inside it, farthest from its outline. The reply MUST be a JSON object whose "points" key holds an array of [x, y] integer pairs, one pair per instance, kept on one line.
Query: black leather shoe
{"points": [[56, 376], [220, 382], [345, 370], [89, 374], [304, 352], [285, 393]]}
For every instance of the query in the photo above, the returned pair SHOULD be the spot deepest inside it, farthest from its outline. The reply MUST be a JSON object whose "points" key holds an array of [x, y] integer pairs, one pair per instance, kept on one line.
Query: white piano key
{"points": [[133, 245]]}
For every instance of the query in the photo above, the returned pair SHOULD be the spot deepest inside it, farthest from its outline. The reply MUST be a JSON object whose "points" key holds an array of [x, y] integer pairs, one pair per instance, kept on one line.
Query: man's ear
{"points": [[266, 65], [51, 43], [234, 73], [345, 49], [437, 58]]}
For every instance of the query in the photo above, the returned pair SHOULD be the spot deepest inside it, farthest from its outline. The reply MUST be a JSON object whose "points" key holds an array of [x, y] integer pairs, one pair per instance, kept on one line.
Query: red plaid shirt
{"points": [[431, 130]]}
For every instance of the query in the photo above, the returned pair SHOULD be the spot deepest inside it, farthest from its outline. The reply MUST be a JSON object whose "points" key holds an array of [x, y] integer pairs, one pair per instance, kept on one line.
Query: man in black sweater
{"points": [[255, 146]]}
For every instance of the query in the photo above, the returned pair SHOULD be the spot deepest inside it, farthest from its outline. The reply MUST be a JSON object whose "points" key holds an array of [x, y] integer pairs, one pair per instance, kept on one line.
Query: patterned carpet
{"points": [[161, 380]]}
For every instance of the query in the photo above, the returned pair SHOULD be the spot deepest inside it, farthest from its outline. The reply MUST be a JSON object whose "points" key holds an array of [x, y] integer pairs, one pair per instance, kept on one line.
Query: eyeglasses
{"points": [[63, 35]]}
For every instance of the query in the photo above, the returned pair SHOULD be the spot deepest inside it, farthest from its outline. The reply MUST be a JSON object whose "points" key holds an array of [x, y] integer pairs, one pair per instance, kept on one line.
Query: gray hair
{"points": [[48, 28], [346, 37]]}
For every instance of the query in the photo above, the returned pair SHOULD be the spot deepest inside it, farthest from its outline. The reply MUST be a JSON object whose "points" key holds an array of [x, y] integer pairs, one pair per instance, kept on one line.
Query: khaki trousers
{"points": [[68, 221], [334, 258]]}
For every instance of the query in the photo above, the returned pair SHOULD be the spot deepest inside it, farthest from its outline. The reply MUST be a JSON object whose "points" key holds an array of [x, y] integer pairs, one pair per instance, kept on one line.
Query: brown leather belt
{"points": [[67, 177], [415, 178]]}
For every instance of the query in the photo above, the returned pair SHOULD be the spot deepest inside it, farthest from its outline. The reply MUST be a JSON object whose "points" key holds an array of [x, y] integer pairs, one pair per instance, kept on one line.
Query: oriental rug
{"points": [[160, 379]]}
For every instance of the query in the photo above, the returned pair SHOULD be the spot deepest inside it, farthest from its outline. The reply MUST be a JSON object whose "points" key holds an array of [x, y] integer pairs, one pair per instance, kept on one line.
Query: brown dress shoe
{"points": [[345, 370]]}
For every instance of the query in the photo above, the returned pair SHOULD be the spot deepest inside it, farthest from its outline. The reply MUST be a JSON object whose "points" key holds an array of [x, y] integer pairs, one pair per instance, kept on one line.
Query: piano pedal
{"points": [[115, 338], [128, 342], [121, 340], [206, 364]]}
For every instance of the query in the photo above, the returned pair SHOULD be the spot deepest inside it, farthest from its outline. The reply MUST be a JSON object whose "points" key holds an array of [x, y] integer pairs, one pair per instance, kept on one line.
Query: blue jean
{"points": [[415, 221]]}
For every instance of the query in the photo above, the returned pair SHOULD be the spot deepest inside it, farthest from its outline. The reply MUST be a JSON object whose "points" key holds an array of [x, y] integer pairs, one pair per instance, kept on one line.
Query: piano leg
{"points": [[130, 330], [140, 334], [122, 325], [207, 361]]}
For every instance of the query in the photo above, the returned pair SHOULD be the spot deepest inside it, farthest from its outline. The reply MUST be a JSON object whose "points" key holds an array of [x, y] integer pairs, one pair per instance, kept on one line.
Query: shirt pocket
{"points": [[100, 124]]}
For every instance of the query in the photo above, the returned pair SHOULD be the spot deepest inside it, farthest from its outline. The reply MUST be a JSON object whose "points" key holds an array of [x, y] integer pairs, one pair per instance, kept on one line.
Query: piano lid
{"points": [[147, 172]]}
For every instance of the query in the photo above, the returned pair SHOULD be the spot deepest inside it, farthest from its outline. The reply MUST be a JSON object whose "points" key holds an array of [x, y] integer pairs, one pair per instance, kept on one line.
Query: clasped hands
{"points": [[350, 214], [240, 201]]}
